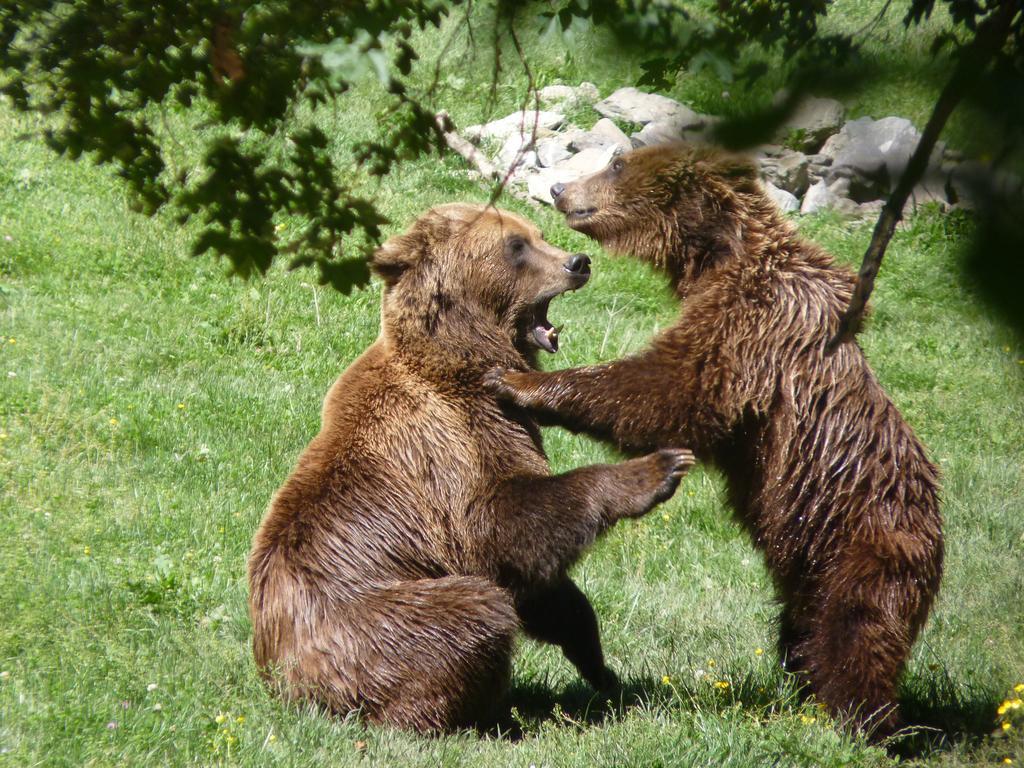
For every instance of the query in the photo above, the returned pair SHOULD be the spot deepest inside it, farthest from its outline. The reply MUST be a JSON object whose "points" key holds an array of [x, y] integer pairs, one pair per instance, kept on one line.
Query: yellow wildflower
{"points": [[807, 719], [759, 651], [1007, 761], [12, 341], [711, 662], [666, 680], [271, 738], [1019, 687], [1002, 708], [113, 422], [1007, 726], [722, 685], [665, 517], [87, 551], [240, 719], [181, 406], [220, 718]]}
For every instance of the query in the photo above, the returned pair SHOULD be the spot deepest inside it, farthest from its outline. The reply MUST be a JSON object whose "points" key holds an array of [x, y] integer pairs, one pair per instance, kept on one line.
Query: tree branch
{"points": [[463, 147], [991, 36]]}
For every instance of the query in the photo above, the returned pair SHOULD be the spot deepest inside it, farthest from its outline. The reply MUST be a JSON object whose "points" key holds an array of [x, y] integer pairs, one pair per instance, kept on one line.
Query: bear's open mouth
{"points": [[544, 334]]}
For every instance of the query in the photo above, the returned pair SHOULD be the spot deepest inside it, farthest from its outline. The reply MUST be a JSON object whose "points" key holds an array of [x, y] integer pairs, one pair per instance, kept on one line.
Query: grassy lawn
{"points": [[150, 406]]}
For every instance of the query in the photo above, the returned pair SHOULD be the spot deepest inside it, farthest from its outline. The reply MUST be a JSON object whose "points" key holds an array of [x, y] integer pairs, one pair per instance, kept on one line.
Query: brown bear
{"points": [[821, 468], [421, 527]]}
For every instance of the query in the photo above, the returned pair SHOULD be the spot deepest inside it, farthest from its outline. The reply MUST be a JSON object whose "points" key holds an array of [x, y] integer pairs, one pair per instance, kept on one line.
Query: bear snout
{"points": [[578, 264]]}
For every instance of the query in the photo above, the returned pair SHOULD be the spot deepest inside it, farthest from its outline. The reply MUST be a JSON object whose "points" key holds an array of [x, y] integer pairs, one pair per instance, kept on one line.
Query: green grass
{"points": [[150, 406]]}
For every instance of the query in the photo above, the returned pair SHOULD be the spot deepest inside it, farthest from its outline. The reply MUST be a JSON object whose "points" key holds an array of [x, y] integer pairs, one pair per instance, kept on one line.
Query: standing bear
{"points": [[421, 528], [821, 468]]}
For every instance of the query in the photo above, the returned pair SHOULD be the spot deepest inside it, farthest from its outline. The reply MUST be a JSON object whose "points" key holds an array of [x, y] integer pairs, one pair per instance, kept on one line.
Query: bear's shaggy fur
{"points": [[421, 527], [822, 470]]}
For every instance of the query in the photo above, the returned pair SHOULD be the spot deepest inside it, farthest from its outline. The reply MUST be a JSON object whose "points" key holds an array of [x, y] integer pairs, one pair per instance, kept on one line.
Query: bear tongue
{"points": [[546, 336]]}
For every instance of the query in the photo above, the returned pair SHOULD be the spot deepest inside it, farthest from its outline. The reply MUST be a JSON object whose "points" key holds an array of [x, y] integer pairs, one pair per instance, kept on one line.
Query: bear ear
{"points": [[395, 256]]}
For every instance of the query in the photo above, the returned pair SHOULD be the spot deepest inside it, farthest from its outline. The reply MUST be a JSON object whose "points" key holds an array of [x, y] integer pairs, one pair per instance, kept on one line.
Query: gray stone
{"points": [[787, 171], [639, 107], [657, 132], [561, 98], [556, 97], [873, 153], [823, 195], [581, 164], [587, 92], [677, 129], [870, 209], [816, 198], [604, 134], [786, 201], [555, 149], [813, 121], [518, 122], [517, 149]]}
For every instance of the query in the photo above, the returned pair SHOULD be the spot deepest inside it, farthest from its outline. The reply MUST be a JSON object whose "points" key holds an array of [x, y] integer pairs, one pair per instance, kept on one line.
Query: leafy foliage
{"points": [[107, 70]]}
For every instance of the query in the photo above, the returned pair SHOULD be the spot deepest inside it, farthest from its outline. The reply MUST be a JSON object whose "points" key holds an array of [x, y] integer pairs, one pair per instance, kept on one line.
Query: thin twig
{"points": [[531, 88]]}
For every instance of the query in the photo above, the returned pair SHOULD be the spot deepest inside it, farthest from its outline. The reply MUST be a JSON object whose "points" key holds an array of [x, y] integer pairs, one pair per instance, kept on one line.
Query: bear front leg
{"points": [[562, 615], [532, 527], [638, 403]]}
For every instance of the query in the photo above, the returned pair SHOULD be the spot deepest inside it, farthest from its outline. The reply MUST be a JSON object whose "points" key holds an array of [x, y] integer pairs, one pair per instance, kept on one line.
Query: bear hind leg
{"points": [[855, 654], [562, 615]]}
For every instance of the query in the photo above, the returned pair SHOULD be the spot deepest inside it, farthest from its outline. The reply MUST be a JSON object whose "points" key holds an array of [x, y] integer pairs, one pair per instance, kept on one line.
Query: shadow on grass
{"points": [[940, 715], [531, 705]]}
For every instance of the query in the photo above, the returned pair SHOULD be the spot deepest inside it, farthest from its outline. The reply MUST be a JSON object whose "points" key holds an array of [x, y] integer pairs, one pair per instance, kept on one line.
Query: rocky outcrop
{"points": [[819, 161]]}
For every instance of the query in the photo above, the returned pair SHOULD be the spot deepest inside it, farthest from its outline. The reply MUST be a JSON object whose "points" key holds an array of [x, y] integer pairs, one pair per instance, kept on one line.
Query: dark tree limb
{"points": [[991, 36]]}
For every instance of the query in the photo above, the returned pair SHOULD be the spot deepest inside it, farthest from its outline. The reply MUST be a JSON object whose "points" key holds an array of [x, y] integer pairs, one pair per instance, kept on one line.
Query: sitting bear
{"points": [[421, 528], [822, 470]]}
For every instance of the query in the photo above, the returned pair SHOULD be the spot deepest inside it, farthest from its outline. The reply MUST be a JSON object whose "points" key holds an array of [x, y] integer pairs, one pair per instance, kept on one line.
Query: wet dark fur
{"points": [[822, 470], [421, 527]]}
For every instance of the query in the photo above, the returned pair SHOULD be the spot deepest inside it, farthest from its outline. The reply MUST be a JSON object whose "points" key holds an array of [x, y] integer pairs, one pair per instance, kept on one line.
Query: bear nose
{"points": [[578, 264], [557, 189]]}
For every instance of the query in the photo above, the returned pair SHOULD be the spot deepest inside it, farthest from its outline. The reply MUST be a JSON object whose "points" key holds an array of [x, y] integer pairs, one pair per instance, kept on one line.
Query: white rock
{"points": [[604, 134], [553, 150], [518, 122], [815, 198], [515, 150], [639, 107], [678, 129], [874, 148], [587, 92], [658, 132], [556, 95], [560, 98], [579, 165], [822, 195], [786, 201]]}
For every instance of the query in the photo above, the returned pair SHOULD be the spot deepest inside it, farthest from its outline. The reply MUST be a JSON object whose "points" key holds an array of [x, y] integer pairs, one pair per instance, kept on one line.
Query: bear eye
{"points": [[515, 248], [618, 165]]}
